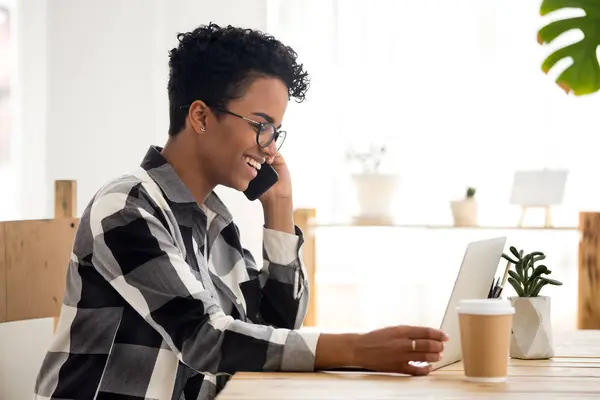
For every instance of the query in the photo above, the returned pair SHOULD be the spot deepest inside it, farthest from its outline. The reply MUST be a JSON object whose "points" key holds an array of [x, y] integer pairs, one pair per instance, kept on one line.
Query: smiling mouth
{"points": [[253, 163]]}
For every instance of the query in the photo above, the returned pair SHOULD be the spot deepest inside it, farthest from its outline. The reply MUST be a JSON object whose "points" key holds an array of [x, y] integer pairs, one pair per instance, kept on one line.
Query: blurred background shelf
{"points": [[378, 224], [367, 274]]}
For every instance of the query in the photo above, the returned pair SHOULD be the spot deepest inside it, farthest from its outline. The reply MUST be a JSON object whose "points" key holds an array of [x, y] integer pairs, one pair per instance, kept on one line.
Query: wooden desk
{"points": [[573, 374]]}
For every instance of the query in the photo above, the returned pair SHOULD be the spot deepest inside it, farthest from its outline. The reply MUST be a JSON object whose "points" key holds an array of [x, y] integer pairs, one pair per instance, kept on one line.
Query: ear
{"points": [[197, 114]]}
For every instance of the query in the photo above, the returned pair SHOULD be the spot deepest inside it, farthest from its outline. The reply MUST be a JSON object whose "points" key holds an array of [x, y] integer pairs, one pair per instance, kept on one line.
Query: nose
{"points": [[270, 150]]}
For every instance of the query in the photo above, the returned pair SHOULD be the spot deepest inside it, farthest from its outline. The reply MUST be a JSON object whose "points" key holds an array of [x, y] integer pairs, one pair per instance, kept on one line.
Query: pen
{"points": [[501, 287], [493, 288]]}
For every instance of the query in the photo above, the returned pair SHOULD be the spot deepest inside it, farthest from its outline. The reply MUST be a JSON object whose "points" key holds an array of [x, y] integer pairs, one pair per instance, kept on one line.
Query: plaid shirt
{"points": [[163, 302]]}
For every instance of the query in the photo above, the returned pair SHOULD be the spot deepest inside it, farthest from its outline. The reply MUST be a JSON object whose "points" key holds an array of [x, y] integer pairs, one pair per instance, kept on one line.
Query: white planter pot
{"points": [[531, 336], [375, 194], [464, 212]]}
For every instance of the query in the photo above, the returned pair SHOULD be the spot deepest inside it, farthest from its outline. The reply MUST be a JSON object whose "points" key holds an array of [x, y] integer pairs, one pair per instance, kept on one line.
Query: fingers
{"points": [[423, 346], [421, 349], [412, 369], [272, 159], [424, 350], [420, 332], [425, 357]]}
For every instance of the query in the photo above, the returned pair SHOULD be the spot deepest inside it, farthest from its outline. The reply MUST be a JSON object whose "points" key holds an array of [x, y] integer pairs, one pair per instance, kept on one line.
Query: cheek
{"points": [[227, 144], [242, 140]]}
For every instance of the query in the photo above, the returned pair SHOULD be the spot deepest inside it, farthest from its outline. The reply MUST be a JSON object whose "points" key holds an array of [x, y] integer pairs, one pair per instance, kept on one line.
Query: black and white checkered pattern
{"points": [[162, 301]]}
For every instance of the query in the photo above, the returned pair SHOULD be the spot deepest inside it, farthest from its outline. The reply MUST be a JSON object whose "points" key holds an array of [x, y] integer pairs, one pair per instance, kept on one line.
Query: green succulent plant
{"points": [[583, 76], [471, 192], [528, 279]]}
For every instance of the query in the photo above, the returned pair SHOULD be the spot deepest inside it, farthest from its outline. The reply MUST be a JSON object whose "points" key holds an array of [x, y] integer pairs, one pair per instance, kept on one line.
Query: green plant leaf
{"points": [[515, 276], [507, 258], [515, 252], [536, 291], [538, 271], [517, 287], [583, 76], [519, 269], [552, 281], [531, 290]]}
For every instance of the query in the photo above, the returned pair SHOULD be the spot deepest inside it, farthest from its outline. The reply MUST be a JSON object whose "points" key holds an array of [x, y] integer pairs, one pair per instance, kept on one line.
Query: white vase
{"points": [[531, 336], [464, 212], [375, 195]]}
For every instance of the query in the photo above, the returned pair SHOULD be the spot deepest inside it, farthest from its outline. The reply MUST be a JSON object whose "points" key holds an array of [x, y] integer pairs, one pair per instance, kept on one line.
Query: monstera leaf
{"points": [[583, 76]]}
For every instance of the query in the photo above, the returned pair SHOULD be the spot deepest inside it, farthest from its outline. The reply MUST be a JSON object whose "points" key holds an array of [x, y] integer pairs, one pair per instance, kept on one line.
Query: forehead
{"points": [[265, 95]]}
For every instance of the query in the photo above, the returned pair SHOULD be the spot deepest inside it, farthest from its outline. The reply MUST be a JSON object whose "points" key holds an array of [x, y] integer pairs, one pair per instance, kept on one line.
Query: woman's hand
{"points": [[382, 350], [283, 188], [277, 202], [391, 349]]}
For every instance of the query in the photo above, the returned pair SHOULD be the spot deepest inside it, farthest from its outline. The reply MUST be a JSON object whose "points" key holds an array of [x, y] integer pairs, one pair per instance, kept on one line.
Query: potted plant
{"points": [[531, 336], [582, 77], [464, 211], [375, 191]]}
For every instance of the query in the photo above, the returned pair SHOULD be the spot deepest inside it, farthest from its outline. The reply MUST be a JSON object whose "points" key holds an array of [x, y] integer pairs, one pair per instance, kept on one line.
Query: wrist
{"points": [[277, 203], [336, 350], [279, 215]]}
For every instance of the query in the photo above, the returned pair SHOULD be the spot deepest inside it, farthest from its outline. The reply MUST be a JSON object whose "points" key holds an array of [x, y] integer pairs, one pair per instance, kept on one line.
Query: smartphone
{"points": [[266, 178]]}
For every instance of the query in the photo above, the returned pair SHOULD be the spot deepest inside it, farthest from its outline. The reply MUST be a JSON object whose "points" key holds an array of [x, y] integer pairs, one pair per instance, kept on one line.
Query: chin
{"points": [[238, 184]]}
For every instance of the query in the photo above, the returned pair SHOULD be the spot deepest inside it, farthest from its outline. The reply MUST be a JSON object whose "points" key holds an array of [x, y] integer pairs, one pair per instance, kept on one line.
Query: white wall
{"points": [[99, 97], [101, 90], [93, 77], [32, 107]]}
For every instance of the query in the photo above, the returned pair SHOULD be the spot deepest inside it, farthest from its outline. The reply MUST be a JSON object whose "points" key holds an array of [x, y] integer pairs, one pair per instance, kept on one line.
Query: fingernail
{"points": [[446, 336], [441, 355]]}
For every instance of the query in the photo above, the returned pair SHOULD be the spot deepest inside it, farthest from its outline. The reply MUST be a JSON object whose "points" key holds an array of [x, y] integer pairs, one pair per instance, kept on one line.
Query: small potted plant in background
{"points": [[375, 191], [532, 325], [464, 211]]}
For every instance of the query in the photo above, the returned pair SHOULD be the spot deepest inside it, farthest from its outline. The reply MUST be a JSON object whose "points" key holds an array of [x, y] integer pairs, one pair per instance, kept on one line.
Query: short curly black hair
{"points": [[216, 65]]}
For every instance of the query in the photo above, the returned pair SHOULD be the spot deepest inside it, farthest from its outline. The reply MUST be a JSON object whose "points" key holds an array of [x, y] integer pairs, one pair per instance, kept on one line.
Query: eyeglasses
{"points": [[266, 132]]}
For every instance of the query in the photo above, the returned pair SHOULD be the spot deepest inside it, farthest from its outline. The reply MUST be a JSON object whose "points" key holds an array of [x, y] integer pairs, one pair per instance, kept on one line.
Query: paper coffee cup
{"points": [[485, 326]]}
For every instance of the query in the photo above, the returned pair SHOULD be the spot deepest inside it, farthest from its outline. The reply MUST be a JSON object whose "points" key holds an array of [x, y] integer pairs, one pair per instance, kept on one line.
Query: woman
{"points": [[162, 301]]}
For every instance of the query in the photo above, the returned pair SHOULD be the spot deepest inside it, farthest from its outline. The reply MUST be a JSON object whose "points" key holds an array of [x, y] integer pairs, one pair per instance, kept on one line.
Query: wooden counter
{"points": [[573, 374]]}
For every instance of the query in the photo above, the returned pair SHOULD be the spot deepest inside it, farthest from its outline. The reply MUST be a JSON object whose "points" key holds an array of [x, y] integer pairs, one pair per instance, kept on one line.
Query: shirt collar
{"points": [[159, 169]]}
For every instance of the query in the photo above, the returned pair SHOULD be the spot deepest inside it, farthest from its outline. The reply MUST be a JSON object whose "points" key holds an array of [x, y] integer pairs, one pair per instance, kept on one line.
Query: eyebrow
{"points": [[267, 117]]}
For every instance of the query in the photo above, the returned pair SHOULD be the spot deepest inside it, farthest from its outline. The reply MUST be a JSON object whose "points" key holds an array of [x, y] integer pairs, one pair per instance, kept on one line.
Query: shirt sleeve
{"points": [[283, 279], [136, 253]]}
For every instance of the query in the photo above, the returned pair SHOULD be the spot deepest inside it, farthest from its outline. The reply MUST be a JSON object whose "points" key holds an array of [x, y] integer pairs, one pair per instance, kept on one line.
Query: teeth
{"points": [[253, 162]]}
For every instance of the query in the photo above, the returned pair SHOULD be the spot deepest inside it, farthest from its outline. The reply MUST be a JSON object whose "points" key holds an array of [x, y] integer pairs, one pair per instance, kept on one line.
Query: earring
{"points": [[202, 128]]}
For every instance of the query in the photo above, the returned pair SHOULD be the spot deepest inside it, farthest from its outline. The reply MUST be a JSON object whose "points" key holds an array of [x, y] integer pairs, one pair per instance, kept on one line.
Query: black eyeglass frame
{"points": [[258, 126]]}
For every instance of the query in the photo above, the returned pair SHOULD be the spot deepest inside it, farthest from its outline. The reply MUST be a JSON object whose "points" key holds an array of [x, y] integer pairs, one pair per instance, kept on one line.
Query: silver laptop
{"points": [[475, 277]]}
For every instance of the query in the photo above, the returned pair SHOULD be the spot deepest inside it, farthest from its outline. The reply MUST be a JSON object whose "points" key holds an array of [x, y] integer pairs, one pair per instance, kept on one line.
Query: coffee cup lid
{"points": [[485, 307]]}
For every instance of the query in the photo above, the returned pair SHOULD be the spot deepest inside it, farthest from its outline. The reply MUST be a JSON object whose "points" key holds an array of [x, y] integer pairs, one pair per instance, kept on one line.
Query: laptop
{"points": [[474, 279], [476, 274]]}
